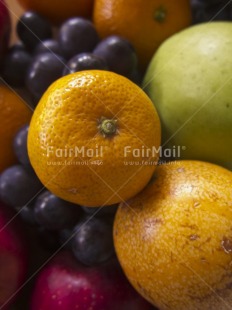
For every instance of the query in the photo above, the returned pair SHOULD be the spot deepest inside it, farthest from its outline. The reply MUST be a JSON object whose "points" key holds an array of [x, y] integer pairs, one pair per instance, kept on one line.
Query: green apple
{"points": [[190, 82]]}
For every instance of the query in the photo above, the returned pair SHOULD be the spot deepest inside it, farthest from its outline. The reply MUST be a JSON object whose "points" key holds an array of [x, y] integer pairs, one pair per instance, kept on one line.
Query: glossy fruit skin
{"points": [[120, 56], [15, 66], [13, 257], [181, 237], [14, 114], [48, 46], [20, 147], [54, 213], [63, 9], [27, 215], [5, 29], [77, 35], [100, 94], [32, 29], [43, 71], [65, 284], [18, 187], [92, 243], [135, 21], [196, 115], [84, 61]]}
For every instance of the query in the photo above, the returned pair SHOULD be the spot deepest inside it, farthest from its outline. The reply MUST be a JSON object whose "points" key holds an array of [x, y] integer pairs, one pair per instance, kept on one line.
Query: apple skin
{"points": [[189, 82], [66, 284], [5, 28], [13, 257]]}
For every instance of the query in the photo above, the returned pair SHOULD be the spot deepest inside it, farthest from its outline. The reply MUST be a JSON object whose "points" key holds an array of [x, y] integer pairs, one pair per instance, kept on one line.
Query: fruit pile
{"points": [[85, 204], [38, 59], [21, 189]]}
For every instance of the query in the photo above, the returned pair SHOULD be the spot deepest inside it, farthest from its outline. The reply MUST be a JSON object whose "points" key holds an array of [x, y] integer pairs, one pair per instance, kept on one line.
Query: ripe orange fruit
{"points": [[83, 135], [14, 114], [58, 11], [174, 239], [146, 24]]}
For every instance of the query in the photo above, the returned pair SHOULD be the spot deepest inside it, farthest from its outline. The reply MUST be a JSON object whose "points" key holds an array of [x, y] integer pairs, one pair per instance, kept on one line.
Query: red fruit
{"points": [[66, 284], [5, 28], [13, 257]]}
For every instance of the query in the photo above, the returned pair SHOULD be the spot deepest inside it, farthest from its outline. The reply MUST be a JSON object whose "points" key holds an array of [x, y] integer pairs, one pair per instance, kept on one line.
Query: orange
{"points": [[83, 135], [146, 24], [174, 239], [14, 114], [58, 11]]}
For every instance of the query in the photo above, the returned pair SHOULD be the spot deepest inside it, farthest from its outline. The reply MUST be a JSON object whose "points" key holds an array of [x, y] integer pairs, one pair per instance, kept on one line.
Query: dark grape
{"points": [[15, 66], [18, 46], [20, 147], [18, 187], [54, 213], [65, 237], [48, 46], [118, 53], [84, 61], [43, 71], [92, 243], [77, 35], [107, 210], [33, 28], [27, 215]]}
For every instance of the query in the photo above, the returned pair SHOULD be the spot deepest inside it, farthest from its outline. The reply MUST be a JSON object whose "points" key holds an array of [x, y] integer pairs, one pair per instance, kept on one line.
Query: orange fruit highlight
{"points": [[174, 239], [58, 11], [14, 114], [88, 135], [146, 24]]}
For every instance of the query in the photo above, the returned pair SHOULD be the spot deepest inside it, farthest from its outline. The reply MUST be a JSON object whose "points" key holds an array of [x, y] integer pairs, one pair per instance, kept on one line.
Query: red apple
{"points": [[66, 284], [13, 257], [5, 28]]}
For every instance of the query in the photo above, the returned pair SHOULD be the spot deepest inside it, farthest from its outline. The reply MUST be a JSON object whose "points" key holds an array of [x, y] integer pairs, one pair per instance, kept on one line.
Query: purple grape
{"points": [[54, 213], [43, 71], [33, 28], [84, 61], [15, 66], [77, 35], [92, 243], [108, 210], [48, 46], [18, 187], [20, 147], [27, 215], [120, 56]]}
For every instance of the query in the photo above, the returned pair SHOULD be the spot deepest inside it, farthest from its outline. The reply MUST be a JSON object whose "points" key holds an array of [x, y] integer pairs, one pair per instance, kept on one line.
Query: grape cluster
{"points": [[41, 57], [87, 232], [211, 10]]}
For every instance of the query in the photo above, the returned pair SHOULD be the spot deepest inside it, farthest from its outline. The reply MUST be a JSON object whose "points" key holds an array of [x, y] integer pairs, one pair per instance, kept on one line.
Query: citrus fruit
{"points": [[174, 239], [58, 11], [190, 82], [14, 114], [94, 138], [146, 24]]}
